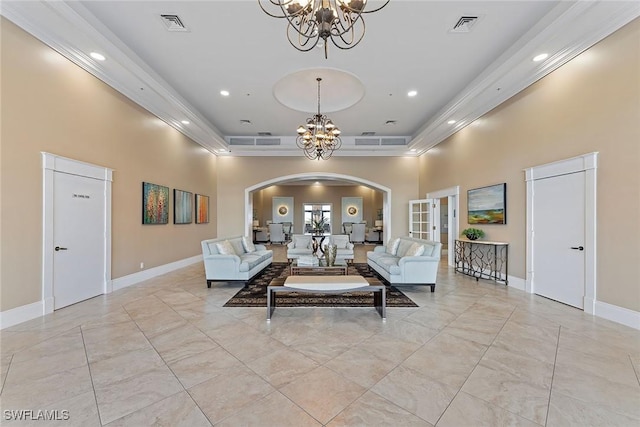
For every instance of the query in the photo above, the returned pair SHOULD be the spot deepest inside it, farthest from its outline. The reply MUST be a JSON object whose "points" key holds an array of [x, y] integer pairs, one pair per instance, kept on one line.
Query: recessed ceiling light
{"points": [[224, 92], [451, 122], [412, 93], [413, 150], [97, 56], [540, 57], [185, 122]]}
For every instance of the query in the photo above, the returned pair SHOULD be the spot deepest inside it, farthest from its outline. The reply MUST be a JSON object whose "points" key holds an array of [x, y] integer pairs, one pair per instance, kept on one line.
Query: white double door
{"points": [[78, 250]]}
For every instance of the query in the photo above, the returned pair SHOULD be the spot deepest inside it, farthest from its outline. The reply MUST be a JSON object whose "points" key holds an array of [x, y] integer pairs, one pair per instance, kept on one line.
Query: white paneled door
{"points": [[422, 219], [78, 238], [559, 238]]}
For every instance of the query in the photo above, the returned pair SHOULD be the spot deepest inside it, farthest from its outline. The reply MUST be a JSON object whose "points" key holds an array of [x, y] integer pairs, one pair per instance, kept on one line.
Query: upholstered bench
{"points": [[327, 285]]}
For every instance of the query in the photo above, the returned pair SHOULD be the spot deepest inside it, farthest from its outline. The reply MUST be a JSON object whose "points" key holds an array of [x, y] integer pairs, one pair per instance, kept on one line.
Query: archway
{"points": [[386, 194]]}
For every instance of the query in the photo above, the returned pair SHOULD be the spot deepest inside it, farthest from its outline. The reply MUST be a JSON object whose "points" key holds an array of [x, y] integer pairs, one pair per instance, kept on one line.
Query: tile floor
{"points": [[166, 352]]}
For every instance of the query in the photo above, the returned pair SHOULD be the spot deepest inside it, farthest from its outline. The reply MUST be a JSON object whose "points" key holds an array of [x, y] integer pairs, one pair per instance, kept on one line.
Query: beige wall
{"points": [[235, 174], [326, 194], [49, 104], [590, 104]]}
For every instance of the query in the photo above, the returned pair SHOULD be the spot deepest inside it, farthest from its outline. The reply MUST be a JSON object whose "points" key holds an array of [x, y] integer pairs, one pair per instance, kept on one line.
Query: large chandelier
{"points": [[319, 137], [312, 20]]}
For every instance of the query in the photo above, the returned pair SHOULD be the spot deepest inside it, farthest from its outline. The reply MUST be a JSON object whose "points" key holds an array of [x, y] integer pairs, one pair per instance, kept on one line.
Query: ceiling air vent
{"points": [[367, 141], [464, 24], [264, 133], [267, 141], [173, 23], [368, 133], [393, 141], [241, 141]]}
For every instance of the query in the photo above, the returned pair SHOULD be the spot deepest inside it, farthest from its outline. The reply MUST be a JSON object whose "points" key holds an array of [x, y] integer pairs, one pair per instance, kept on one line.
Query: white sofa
{"points": [[300, 245], [236, 264], [402, 266]]}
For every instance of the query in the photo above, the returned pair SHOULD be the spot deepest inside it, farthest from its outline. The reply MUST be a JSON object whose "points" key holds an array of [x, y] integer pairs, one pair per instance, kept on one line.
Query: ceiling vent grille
{"points": [[267, 141], [241, 141], [393, 141], [464, 24], [367, 141], [264, 133], [368, 133], [173, 23]]}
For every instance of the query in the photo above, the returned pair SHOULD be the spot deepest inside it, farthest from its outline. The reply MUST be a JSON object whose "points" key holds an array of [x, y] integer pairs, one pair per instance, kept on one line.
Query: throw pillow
{"points": [[416, 249], [225, 248], [302, 242], [403, 247], [238, 246], [248, 245], [392, 246]]}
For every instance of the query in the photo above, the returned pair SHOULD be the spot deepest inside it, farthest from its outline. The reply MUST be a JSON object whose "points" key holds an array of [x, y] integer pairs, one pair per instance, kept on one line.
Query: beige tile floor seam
{"points": [[152, 370], [93, 387], [200, 348], [222, 421], [474, 368], [546, 421]]}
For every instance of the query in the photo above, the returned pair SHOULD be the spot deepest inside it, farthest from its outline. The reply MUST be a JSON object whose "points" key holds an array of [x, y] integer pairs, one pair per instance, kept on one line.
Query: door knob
{"points": [[58, 248], [579, 248]]}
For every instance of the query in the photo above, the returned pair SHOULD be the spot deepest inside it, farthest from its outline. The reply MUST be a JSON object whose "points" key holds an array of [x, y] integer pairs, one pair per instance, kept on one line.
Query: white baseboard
{"points": [[132, 279], [21, 314], [516, 283], [617, 314]]}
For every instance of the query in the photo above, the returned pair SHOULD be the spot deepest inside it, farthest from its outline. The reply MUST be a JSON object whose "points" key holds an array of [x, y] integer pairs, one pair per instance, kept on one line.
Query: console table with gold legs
{"points": [[483, 260]]}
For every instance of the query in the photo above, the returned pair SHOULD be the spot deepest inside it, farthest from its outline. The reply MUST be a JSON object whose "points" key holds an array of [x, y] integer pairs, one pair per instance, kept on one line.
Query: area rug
{"points": [[254, 294]]}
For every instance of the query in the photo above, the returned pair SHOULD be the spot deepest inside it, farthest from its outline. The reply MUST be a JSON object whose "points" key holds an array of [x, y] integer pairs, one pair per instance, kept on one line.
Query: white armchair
{"points": [[357, 232], [276, 233]]}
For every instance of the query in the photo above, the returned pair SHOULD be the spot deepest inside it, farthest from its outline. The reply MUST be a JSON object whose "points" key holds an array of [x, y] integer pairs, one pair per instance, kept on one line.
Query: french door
{"points": [[423, 222]]}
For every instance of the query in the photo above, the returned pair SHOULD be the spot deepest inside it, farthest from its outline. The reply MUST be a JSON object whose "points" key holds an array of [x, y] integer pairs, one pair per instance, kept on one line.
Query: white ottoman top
{"points": [[325, 283]]}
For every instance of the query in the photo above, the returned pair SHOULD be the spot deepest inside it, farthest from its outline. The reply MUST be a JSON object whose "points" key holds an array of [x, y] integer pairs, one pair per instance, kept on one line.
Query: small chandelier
{"points": [[312, 20], [319, 137]]}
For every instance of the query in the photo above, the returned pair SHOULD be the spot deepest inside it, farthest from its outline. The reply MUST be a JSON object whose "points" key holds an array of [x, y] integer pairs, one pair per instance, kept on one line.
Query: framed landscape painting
{"points": [[487, 205], [202, 209], [155, 203], [182, 207]]}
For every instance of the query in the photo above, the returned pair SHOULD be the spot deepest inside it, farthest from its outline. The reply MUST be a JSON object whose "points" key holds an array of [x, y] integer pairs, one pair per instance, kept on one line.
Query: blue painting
{"points": [[487, 205], [182, 207]]}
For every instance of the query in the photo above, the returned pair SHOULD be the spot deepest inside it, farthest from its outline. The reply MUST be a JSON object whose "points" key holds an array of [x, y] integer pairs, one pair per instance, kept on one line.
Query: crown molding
{"points": [[568, 30], [71, 30]]}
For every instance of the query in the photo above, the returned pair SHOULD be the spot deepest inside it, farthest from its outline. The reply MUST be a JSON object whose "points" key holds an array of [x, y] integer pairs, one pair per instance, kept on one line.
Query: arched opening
{"points": [[386, 194]]}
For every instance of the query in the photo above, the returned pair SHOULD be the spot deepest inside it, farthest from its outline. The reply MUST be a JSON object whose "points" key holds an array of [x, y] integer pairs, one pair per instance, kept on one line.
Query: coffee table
{"points": [[328, 285], [340, 268]]}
